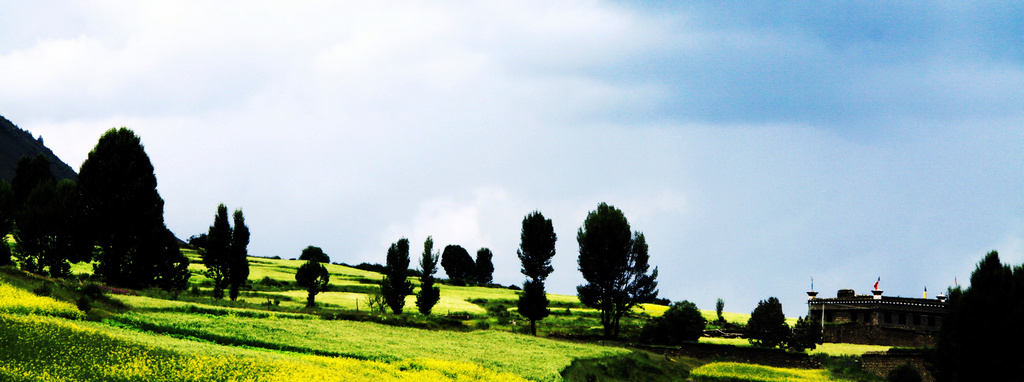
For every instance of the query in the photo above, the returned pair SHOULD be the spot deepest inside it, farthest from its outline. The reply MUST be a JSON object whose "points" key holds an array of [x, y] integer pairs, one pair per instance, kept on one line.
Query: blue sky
{"points": [[756, 145]]}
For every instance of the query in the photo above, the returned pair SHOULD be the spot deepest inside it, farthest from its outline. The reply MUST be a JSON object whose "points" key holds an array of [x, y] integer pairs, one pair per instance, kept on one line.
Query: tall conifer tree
{"points": [[536, 248]]}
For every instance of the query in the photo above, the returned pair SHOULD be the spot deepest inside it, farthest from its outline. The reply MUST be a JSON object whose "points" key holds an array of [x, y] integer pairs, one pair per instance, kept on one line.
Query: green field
{"points": [[269, 335]]}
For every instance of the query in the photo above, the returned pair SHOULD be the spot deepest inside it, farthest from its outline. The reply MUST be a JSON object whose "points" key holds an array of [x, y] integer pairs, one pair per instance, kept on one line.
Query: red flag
{"points": [[876, 282]]}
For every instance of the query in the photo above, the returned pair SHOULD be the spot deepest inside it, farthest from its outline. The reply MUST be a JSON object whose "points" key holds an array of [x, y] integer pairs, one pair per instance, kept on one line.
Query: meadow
{"points": [[268, 335]]}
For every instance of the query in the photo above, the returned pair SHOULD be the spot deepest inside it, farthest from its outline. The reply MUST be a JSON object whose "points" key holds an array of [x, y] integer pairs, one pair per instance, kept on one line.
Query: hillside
{"points": [[16, 143]]}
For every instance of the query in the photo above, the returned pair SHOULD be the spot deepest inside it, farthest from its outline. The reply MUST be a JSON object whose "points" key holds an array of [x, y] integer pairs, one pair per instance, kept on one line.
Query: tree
{"points": [[991, 304], [238, 259], [767, 326], [30, 173], [125, 215], [536, 248], [682, 322], [314, 277], [484, 267], [457, 264], [429, 294], [49, 234], [614, 263], [395, 285], [315, 254], [216, 251], [719, 309], [806, 335], [6, 220]]}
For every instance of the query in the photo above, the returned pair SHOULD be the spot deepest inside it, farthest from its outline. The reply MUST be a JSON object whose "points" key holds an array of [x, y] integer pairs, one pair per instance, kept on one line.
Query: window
{"points": [[903, 319], [917, 320], [888, 317]]}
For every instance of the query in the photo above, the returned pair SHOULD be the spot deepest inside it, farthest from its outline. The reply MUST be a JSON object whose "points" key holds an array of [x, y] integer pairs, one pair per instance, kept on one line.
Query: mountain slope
{"points": [[16, 143]]}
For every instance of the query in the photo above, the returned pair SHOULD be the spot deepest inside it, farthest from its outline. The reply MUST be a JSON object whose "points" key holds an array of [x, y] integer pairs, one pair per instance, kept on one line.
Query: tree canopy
{"points": [[536, 248], [395, 285], [682, 322], [125, 215], [614, 262], [458, 264], [484, 267], [313, 276], [767, 324], [314, 253], [429, 294]]}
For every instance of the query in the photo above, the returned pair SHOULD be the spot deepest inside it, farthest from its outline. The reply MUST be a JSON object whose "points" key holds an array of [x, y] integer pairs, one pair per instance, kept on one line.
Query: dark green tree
{"points": [[125, 215], [238, 259], [484, 267], [457, 264], [806, 335], [315, 254], [536, 248], [216, 251], [682, 322], [991, 304], [429, 294], [313, 276], [719, 310], [6, 220], [49, 234], [395, 285], [614, 262], [767, 326], [30, 173]]}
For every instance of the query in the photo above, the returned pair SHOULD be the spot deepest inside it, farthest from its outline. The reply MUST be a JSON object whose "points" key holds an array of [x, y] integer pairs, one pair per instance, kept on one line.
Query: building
{"points": [[876, 319]]}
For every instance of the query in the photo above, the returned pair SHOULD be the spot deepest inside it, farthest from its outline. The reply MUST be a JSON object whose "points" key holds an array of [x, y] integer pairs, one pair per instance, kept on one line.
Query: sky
{"points": [[757, 145]]}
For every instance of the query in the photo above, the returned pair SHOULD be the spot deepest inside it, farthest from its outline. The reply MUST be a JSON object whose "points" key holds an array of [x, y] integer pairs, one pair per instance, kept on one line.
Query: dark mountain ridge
{"points": [[16, 143]]}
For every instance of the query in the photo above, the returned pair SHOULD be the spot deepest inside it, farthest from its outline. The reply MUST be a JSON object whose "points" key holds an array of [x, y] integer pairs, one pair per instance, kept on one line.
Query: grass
{"points": [[20, 301], [49, 349], [534, 358], [733, 371], [828, 349]]}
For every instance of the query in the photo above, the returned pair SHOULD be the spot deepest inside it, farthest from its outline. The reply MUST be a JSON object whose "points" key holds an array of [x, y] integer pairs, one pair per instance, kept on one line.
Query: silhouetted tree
{"points": [[767, 326], [126, 215], [484, 267], [315, 254], [719, 310], [395, 285], [6, 220], [682, 322], [457, 264], [49, 234], [429, 294], [313, 276], [238, 259], [30, 173], [806, 335], [536, 248], [216, 251], [991, 305], [614, 263]]}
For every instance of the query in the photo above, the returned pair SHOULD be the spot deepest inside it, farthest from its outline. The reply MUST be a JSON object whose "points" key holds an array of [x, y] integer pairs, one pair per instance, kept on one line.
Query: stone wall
{"points": [[856, 333], [769, 357], [881, 364]]}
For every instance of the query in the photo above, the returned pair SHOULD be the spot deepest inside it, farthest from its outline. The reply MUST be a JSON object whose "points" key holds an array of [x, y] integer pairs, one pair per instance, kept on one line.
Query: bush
{"points": [[904, 373], [806, 335], [43, 290], [681, 322], [84, 303], [767, 325], [92, 290]]}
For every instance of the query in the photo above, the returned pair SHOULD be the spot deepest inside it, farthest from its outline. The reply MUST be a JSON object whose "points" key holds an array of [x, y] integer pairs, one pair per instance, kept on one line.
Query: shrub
{"points": [[84, 303], [43, 290], [767, 325], [681, 322], [904, 373], [92, 290]]}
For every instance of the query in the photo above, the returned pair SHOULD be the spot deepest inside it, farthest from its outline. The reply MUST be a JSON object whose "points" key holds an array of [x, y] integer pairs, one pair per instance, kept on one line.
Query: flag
{"points": [[954, 282], [925, 291], [877, 281], [812, 284]]}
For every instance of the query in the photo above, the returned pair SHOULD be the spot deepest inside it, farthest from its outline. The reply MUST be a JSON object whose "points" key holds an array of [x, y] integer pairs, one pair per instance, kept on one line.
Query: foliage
{"points": [[681, 323], [636, 365], [215, 249], [484, 267], [238, 259], [395, 285], [428, 294], [806, 335], [314, 253], [49, 230], [20, 301], [314, 277], [733, 371], [904, 373], [6, 220], [536, 248], [125, 216], [991, 302], [767, 326], [613, 261], [49, 349], [29, 174], [719, 309], [457, 264]]}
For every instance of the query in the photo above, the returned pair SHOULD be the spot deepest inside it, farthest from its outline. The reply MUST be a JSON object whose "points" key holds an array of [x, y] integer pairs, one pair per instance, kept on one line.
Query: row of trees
{"points": [[112, 214], [463, 270], [224, 252]]}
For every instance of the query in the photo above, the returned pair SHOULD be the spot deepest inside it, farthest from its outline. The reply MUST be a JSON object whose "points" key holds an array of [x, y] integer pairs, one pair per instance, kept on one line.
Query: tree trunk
{"points": [[533, 327]]}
